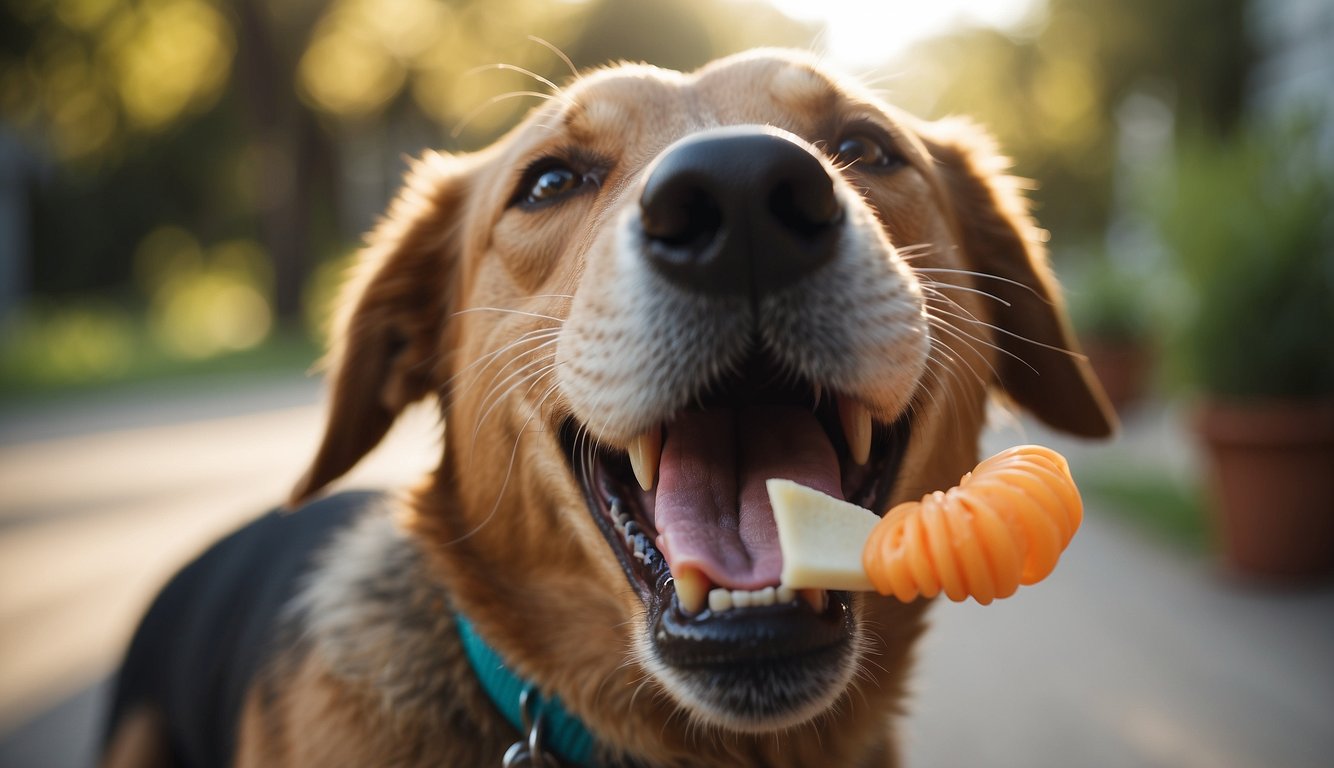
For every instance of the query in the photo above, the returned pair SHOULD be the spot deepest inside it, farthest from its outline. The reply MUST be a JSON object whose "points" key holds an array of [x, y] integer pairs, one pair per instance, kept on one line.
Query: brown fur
{"points": [[138, 742], [501, 526]]}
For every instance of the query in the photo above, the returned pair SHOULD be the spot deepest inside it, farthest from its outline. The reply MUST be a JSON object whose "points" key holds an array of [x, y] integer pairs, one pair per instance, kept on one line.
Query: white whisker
{"points": [[939, 286], [1020, 337], [987, 275], [495, 399], [479, 109], [574, 72], [537, 334], [965, 337], [520, 312], [555, 89]]}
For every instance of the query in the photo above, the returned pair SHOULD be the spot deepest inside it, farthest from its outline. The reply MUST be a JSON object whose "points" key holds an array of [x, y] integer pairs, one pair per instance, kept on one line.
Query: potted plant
{"points": [[1250, 223], [1109, 304]]}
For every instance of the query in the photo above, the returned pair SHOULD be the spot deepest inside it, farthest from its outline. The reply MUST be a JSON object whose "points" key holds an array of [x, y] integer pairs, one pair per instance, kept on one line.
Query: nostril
{"points": [[805, 209], [684, 216]]}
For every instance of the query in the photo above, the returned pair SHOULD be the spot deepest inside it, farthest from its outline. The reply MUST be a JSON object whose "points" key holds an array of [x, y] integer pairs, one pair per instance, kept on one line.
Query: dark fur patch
{"points": [[213, 627]]}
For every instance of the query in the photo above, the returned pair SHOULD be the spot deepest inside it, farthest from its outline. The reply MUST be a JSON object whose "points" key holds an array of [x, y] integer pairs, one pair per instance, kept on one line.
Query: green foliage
{"points": [[95, 341], [1249, 222], [94, 74], [1110, 302], [1051, 93], [57, 349], [1156, 502], [282, 123]]}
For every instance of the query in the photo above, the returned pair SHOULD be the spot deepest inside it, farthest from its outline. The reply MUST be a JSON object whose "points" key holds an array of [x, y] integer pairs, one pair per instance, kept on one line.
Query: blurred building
{"points": [[1295, 74]]}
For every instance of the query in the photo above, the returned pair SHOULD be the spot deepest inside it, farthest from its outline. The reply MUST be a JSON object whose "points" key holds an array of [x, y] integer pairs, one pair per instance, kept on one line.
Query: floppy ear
{"points": [[1041, 367], [390, 318]]}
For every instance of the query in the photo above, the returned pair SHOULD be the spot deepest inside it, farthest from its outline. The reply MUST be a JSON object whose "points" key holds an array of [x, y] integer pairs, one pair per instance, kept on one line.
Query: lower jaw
{"points": [[753, 670], [760, 697]]}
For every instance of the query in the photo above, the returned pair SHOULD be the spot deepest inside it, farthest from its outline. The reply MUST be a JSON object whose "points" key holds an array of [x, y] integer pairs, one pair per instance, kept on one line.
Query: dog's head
{"points": [[657, 292]]}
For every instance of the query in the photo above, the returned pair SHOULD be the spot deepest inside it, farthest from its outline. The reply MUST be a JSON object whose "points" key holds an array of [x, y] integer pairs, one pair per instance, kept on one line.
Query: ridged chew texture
{"points": [[1005, 524]]}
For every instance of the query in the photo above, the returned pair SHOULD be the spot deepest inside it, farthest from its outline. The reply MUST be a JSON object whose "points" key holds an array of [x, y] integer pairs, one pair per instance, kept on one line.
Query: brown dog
{"points": [[657, 292]]}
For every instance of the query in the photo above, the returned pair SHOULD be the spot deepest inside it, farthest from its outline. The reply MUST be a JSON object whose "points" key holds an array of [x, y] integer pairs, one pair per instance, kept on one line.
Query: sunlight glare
{"points": [[868, 32]]}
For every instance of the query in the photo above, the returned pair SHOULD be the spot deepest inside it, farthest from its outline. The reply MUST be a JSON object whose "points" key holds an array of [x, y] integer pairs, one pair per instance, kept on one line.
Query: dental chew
{"points": [[1004, 525]]}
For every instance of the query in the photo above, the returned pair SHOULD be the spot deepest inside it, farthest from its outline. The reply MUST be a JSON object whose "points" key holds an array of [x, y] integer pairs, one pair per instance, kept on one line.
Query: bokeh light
{"points": [[202, 303]]}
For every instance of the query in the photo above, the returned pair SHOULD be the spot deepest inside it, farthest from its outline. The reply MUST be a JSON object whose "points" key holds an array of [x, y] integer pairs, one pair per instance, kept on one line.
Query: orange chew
{"points": [[1005, 524]]}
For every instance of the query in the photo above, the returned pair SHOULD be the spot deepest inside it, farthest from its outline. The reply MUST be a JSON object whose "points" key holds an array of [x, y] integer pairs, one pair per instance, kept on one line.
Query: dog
{"points": [[656, 292]]}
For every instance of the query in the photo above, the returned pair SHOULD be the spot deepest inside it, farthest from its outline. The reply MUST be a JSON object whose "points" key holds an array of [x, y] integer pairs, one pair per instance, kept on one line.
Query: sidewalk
{"points": [[1131, 654], [103, 500]]}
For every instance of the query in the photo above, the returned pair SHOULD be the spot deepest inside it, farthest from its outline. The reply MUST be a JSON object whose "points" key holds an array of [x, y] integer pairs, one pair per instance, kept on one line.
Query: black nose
{"points": [[741, 210]]}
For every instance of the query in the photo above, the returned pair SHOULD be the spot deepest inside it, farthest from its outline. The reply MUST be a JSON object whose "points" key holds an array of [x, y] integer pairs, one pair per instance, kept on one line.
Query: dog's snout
{"points": [[738, 211]]}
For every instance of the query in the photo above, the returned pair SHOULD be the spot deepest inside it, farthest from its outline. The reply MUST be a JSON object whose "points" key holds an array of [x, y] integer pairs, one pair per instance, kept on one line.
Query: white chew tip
{"points": [[821, 537]]}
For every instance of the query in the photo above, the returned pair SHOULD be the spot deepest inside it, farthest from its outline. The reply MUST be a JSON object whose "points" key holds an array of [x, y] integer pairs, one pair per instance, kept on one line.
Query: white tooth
{"points": [[763, 597], [692, 590], [720, 599], [741, 598], [819, 393], [816, 598], [645, 453], [856, 428], [784, 594]]}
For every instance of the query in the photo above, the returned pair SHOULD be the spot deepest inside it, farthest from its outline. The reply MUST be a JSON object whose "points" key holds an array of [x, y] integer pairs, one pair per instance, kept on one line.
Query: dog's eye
{"points": [[867, 150], [548, 183]]}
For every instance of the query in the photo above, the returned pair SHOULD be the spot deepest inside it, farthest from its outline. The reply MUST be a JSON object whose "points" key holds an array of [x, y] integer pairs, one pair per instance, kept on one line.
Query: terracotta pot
{"points": [[1273, 486], [1122, 367]]}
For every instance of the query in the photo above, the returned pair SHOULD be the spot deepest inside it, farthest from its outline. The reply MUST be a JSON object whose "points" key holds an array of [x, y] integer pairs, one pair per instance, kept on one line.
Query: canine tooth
{"points": [[741, 598], [762, 597], [856, 428], [816, 598], [720, 599], [692, 590], [645, 454], [784, 594], [819, 393]]}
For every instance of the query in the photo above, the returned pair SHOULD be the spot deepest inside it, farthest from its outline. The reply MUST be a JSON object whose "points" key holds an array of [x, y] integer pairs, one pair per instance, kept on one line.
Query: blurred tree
{"points": [[682, 35], [290, 156], [112, 94], [1051, 92]]}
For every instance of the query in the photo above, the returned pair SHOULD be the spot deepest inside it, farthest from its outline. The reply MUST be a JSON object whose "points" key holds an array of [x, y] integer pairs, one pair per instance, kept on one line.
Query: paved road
{"points": [[101, 501], [1131, 655]]}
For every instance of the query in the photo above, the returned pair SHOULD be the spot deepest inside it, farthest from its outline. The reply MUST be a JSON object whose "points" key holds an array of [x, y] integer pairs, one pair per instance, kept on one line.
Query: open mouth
{"points": [[700, 546]]}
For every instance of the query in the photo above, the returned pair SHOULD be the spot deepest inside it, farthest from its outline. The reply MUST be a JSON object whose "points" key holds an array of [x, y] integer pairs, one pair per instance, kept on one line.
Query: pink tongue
{"points": [[712, 509]]}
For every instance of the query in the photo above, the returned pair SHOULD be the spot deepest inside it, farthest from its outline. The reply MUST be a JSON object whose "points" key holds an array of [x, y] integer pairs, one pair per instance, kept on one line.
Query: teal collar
{"points": [[560, 732]]}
